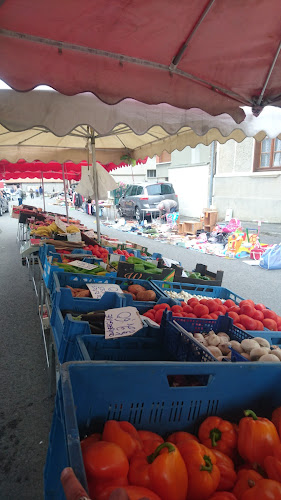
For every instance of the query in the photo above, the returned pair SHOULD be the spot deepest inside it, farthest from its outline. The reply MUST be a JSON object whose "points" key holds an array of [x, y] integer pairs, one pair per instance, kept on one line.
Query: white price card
{"points": [[91, 234], [122, 322], [97, 290], [169, 262], [76, 237], [83, 265], [60, 224]]}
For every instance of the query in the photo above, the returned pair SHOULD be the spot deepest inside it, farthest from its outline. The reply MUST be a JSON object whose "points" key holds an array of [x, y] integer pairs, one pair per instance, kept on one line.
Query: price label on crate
{"points": [[60, 224], [97, 290], [76, 237], [83, 265], [91, 234], [122, 322]]}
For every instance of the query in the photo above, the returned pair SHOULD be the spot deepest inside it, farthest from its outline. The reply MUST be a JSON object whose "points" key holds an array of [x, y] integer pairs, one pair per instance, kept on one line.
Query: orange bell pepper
{"points": [[105, 464], [219, 434], [124, 434], [88, 441], [228, 475], [246, 478], [133, 493], [265, 489], [203, 473], [179, 437], [273, 468], [163, 472], [257, 438], [150, 441], [223, 495]]}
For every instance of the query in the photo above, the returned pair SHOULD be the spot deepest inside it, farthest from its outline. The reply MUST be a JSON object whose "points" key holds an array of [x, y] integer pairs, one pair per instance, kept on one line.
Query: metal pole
{"points": [[43, 192], [65, 195], [95, 174], [213, 149]]}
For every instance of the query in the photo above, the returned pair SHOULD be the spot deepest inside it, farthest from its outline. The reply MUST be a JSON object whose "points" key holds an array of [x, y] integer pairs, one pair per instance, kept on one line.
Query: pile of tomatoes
{"points": [[247, 315], [98, 252]]}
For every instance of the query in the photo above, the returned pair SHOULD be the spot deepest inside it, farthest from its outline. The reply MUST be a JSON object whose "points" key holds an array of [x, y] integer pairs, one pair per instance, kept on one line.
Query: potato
{"points": [[136, 288], [146, 296], [249, 344], [258, 352], [236, 345], [215, 351], [262, 342], [224, 349]]}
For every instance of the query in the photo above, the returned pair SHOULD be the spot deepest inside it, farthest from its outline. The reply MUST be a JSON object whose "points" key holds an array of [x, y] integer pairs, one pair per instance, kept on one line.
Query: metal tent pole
{"points": [[65, 195], [212, 173], [95, 183], [43, 192]]}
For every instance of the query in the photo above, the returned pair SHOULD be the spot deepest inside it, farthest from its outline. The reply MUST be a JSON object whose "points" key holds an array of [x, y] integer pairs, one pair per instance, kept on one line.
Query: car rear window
{"points": [[140, 190], [167, 189], [134, 191], [154, 189]]}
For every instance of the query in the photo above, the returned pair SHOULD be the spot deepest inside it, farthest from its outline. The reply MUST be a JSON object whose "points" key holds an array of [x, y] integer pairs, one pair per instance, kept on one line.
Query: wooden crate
{"points": [[210, 219], [190, 227]]}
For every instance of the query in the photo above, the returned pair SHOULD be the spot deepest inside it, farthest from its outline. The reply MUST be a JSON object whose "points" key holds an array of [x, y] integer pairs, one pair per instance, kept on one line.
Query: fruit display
{"points": [[224, 461], [246, 315]]}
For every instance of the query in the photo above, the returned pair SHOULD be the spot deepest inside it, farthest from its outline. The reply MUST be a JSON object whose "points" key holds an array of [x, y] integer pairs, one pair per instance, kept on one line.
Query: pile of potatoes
{"points": [[138, 292], [256, 349]]}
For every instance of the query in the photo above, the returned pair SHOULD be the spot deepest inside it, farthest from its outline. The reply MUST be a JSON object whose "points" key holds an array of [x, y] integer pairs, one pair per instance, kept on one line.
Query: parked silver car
{"points": [[4, 205], [139, 198]]}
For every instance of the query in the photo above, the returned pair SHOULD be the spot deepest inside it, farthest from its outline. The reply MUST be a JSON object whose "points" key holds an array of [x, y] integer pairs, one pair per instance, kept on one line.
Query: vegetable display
{"points": [[247, 315], [225, 461]]}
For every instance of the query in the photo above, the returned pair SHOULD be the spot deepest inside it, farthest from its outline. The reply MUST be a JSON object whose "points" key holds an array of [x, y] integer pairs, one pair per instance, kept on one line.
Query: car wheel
{"points": [[138, 213]]}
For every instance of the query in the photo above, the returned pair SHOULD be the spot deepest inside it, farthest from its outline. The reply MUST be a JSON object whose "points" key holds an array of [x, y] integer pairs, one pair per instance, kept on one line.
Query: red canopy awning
{"points": [[210, 54], [51, 170]]}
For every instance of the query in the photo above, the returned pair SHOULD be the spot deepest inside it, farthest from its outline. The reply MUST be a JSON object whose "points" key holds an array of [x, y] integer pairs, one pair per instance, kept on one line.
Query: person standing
{"points": [[31, 193], [40, 191], [19, 193]]}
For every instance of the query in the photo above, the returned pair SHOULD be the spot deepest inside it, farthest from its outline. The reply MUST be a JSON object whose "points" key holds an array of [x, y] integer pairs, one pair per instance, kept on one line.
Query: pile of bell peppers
{"points": [[225, 461]]}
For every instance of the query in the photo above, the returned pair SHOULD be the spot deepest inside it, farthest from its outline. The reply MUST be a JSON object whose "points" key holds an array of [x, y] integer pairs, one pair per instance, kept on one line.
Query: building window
{"points": [[164, 158], [151, 173], [267, 155]]}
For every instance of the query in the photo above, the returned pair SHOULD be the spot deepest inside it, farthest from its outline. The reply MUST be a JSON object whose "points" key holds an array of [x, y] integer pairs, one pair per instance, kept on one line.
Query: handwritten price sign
{"points": [[122, 322], [83, 265], [97, 290], [60, 224]]}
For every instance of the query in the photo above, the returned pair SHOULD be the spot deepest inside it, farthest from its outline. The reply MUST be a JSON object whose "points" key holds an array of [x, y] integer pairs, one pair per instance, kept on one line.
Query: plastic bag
{"points": [[271, 259]]}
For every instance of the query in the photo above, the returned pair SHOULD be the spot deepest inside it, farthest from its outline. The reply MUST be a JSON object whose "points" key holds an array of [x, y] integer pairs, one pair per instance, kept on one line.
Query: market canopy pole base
{"points": [[96, 189], [65, 195]]}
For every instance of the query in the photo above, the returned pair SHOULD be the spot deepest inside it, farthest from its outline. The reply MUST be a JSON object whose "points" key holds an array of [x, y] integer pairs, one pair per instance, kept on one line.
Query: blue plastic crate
{"points": [[90, 393], [274, 338], [80, 281], [216, 292], [179, 327], [49, 269], [64, 330], [141, 347]]}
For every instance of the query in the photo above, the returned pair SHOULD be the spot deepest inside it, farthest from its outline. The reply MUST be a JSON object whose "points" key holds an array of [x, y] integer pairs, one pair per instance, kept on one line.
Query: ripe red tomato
{"points": [[248, 322], [229, 303], [222, 309], [270, 324], [258, 315], [239, 325], [176, 309], [187, 309], [219, 313], [248, 302], [234, 316], [204, 302], [260, 307], [247, 309], [218, 301], [200, 310], [178, 315], [235, 309], [212, 305], [161, 306], [214, 316], [270, 314], [193, 301], [206, 316], [278, 321], [190, 315], [158, 315], [149, 314], [259, 326]]}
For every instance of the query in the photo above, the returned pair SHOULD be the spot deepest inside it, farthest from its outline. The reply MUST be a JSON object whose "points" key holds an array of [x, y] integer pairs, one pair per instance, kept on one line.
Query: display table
{"points": [[149, 211]]}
